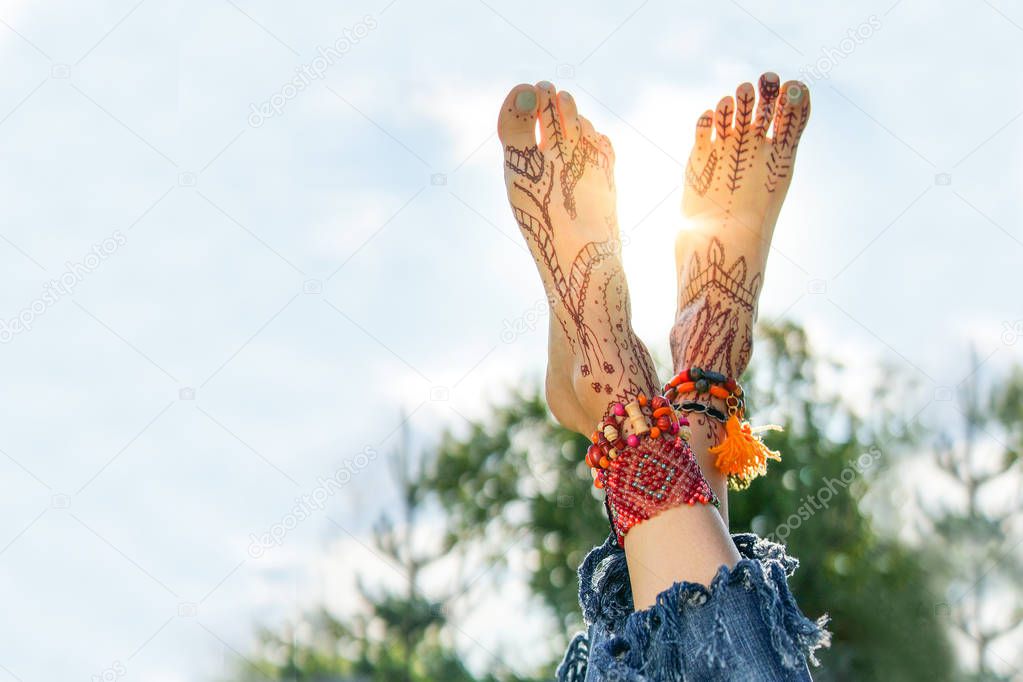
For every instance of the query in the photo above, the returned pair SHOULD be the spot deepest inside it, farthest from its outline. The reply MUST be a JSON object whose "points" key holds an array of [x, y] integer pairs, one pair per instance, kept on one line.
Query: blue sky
{"points": [[269, 297]]}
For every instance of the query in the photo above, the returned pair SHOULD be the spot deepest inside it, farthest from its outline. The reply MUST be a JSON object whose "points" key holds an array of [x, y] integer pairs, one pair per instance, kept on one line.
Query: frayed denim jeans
{"points": [[745, 626]]}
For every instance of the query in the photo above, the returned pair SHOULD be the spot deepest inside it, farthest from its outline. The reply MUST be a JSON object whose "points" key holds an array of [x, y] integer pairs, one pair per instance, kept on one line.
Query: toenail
{"points": [[795, 92], [525, 100]]}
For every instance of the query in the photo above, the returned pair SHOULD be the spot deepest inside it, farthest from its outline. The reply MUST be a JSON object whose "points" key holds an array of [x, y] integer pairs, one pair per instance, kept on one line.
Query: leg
{"points": [[562, 194], [746, 624], [736, 180]]}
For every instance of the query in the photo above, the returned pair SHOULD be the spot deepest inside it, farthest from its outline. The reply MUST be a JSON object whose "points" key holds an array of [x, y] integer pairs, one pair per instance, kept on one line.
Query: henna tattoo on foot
{"points": [[735, 182], [714, 328], [574, 242]]}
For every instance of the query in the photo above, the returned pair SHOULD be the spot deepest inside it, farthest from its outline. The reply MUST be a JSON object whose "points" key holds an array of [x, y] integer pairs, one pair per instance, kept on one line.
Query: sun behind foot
{"points": [[563, 197]]}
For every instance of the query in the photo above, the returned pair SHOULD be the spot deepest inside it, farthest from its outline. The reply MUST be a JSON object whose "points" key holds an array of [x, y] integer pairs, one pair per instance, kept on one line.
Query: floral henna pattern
{"points": [[594, 272], [716, 306]]}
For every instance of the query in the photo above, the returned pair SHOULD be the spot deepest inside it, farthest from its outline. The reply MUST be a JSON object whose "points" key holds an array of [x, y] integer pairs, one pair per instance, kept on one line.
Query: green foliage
{"points": [[877, 592], [973, 527], [515, 479], [518, 475]]}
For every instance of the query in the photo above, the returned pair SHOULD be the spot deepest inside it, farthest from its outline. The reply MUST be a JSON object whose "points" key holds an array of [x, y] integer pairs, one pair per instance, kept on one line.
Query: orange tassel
{"points": [[741, 455]]}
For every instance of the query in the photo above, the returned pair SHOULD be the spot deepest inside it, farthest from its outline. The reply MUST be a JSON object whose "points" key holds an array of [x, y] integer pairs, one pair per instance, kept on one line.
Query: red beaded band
{"points": [[658, 475], [649, 470]]}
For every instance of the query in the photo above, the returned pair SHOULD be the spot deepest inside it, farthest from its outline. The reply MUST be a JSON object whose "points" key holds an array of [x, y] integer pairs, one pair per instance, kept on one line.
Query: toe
{"points": [[605, 146], [723, 117], [704, 126], [552, 129], [744, 101], [570, 118], [792, 113], [516, 124], [586, 128], [768, 90]]}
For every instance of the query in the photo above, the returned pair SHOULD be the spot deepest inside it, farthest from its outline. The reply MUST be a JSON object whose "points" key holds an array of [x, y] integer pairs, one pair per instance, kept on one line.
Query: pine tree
{"points": [[976, 528]]}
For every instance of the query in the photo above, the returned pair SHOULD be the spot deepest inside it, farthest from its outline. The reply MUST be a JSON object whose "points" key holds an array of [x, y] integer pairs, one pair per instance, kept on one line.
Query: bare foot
{"points": [[736, 180], [563, 196]]}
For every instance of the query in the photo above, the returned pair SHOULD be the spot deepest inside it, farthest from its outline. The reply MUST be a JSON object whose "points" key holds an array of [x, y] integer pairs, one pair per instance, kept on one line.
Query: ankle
{"points": [[640, 455]]}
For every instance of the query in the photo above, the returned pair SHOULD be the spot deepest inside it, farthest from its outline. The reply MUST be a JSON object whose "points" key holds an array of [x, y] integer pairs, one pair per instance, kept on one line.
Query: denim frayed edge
{"points": [[606, 599]]}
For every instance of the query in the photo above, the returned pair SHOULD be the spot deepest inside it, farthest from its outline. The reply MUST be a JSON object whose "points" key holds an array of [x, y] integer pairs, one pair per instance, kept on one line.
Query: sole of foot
{"points": [[736, 181], [562, 194]]}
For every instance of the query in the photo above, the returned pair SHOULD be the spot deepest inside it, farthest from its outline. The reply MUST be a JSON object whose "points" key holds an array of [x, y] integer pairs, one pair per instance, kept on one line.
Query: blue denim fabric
{"points": [[745, 626]]}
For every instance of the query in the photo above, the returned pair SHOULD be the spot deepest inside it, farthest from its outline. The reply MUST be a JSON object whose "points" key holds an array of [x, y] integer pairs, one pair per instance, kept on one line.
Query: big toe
{"points": [[516, 124]]}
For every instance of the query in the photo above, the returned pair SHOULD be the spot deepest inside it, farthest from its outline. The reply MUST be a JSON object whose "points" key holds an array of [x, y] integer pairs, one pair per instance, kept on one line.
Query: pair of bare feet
{"points": [[562, 192]]}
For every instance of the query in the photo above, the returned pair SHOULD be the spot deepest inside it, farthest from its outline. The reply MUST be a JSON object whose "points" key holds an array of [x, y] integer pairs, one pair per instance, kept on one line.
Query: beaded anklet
{"points": [[648, 471], [741, 456]]}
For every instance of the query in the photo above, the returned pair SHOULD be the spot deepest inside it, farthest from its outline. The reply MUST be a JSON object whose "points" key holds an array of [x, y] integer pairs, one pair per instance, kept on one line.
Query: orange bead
{"points": [[687, 387], [604, 462], [662, 411], [655, 432], [719, 392], [676, 381], [641, 398], [597, 483]]}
